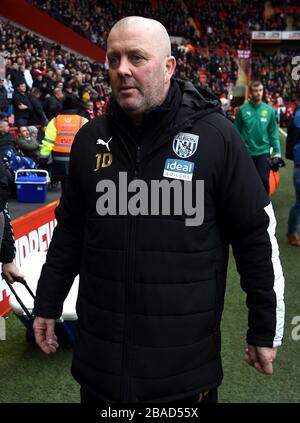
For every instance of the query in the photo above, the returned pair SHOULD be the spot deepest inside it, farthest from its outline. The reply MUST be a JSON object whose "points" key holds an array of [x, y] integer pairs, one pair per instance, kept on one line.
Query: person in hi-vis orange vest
{"points": [[58, 140]]}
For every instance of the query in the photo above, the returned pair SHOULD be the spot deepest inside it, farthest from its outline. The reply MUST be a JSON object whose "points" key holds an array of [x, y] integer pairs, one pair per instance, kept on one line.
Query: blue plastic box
{"points": [[31, 185]]}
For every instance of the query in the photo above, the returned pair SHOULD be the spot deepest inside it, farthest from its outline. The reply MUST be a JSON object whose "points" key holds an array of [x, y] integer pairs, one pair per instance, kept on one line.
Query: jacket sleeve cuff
{"points": [[261, 341]]}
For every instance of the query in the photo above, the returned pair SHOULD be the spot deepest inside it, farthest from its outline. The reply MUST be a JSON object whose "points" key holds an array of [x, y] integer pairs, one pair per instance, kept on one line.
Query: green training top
{"points": [[258, 127]]}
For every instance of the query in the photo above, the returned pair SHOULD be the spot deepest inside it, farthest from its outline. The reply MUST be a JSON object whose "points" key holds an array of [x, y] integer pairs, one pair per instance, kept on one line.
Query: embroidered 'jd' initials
{"points": [[103, 160]]}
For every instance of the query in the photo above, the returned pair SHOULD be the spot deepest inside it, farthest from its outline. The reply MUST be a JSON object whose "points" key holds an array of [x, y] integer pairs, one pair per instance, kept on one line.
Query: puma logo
{"points": [[102, 142]]}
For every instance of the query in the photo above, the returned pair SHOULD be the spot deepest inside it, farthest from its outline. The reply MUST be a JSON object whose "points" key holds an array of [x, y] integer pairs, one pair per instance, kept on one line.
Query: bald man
{"points": [[158, 189], [140, 65]]}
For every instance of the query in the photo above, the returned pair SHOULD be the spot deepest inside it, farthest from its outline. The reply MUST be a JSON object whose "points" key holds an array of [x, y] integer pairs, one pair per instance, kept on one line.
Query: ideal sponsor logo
{"points": [[178, 169]]}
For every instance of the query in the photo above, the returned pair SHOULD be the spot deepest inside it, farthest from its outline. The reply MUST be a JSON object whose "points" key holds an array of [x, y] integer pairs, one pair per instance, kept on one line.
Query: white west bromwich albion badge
{"points": [[185, 144]]}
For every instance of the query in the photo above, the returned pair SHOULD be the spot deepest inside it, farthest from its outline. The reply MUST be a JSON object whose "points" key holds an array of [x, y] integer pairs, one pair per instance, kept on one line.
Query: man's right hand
{"points": [[261, 358], [44, 334]]}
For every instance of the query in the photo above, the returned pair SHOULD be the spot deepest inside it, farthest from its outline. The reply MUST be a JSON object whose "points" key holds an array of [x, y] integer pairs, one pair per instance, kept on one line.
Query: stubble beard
{"points": [[143, 102]]}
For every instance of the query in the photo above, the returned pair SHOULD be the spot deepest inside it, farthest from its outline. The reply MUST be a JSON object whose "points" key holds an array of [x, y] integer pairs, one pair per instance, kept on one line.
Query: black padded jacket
{"points": [[151, 289]]}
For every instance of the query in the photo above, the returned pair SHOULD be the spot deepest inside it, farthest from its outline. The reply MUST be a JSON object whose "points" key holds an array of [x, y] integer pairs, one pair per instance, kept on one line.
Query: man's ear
{"points": [[170, 68]]}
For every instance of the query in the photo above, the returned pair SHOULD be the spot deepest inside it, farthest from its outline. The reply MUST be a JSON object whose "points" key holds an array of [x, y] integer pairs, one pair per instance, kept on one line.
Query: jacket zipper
{"points": [[129, 292]]}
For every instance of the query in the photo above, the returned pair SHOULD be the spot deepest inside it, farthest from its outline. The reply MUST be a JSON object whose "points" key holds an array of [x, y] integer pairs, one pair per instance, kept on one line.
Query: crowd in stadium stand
{"points": [[287, 8], [93, 19], [274, 71], [48, 72], [220, 22], [44, 73], [226, 25], [213, 30], [39, 76]]}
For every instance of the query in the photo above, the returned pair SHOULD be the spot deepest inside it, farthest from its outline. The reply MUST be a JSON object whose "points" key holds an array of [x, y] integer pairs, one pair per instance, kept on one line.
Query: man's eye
{"points": [[113, 61], [136, 58]]}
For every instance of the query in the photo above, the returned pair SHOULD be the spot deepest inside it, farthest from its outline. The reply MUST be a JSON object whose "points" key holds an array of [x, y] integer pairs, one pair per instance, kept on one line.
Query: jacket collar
{"points": [[183, 105]]}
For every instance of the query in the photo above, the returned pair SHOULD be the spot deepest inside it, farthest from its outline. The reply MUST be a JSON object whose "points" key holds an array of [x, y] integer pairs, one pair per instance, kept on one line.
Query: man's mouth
{"points": [[127, 88]]}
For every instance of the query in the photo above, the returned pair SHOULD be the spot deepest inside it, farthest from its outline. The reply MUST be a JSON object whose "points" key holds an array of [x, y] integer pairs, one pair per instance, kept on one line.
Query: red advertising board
{"points": [[33, 232]]}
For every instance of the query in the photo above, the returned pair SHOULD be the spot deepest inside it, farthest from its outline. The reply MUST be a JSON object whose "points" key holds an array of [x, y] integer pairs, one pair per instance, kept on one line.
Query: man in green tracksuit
{"points": [[257, 123]]}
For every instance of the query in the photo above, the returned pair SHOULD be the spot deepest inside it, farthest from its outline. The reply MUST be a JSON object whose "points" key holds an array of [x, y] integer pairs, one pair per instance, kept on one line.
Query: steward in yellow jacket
{"points": [[59, 136]]}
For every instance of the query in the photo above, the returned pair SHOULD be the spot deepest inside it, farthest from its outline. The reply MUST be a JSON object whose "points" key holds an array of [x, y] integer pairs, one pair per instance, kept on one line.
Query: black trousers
{"points": [[262, 164], [202, 398]]}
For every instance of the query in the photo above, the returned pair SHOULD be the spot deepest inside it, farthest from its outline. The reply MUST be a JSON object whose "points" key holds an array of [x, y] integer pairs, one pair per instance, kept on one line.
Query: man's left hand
{"points": [[261, 358]]}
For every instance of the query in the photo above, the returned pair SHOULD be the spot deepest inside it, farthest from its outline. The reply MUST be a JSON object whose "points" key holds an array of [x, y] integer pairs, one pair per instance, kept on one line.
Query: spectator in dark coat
{"points": [[53, 104], [16, 75], [41, 83], [38, 116], [22, 105], [6, 139]]}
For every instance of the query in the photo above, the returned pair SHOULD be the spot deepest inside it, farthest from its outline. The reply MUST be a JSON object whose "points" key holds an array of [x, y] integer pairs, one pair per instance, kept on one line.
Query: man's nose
{"points": [[124, 68]]}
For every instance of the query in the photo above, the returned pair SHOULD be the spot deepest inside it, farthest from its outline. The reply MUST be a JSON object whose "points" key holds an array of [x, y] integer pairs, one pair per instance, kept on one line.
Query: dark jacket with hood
{"points": [[4, 102], [152, 288], [7, 244], [4, 188], [293, 136]]}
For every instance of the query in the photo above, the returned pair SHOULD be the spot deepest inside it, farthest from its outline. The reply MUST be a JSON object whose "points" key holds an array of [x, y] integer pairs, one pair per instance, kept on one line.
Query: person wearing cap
{"points": [[59, 136]]}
